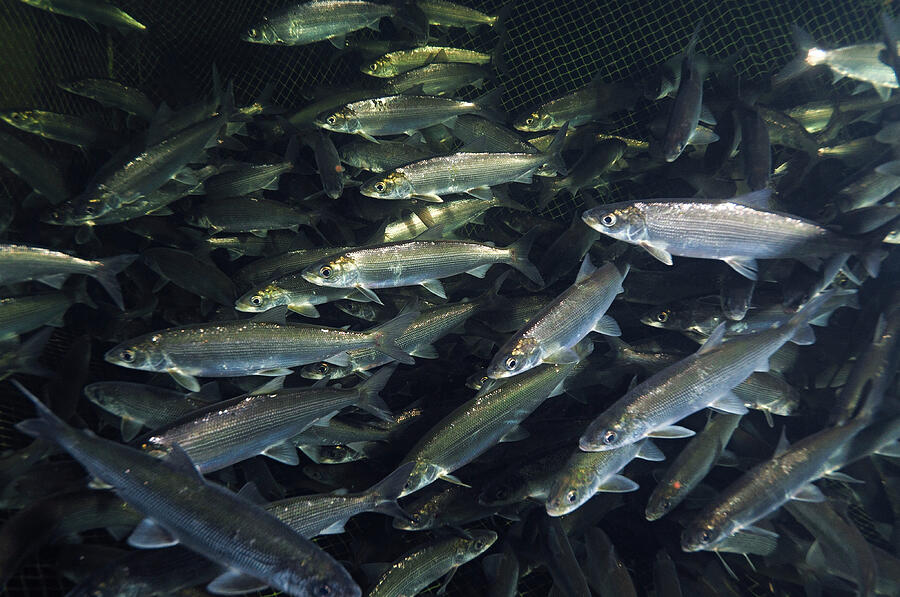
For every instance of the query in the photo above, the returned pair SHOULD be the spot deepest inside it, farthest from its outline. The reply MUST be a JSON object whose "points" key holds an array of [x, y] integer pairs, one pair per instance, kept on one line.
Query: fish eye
{"points": [[479, 545], [608, 219], [322, 369], [89, 210], [322, 591], [374, 66], [610, 437], [500, 494], [127, 355], [705, 537], [667, 504], [254, 33], [379, 186], [256, 300], [662, 316], [331, 119], [511, 363], [572, 496], [325, 271], [529, 120]]}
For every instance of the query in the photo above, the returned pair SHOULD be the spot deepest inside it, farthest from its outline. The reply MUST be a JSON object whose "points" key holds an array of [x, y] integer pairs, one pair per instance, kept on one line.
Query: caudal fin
{"points": [[47, 425], [29, 353], [386, 492], [814, 308], [386, 336], [518, 257], [799, 65], [369, 400], [554, 151], [106, 276]]}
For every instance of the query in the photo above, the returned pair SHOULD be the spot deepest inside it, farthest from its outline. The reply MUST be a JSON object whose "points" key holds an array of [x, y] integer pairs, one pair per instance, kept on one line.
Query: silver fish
{"points": [[258, 347], [687, 109], [318, 20], [101, 13], [704, 379], [417, 262], [738, 231], [181, 507], [19, 263], [551, 334], [463, 172], [114, 95], [294, 292], [33, 167], [263, 422], [384, 155]]}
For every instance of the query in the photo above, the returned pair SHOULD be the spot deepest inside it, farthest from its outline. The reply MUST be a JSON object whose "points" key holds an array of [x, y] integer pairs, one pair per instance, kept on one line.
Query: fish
{"points": [[195, 275], [181, 507], [125, 180], [605, 569], [665, 575], [767, 486], [270, 268], [113, 94], [248, 214], [436, 79], [419, 568], [737, 231], [401, 61], [61, 127], [220, 349], [586, 473], [34, 168], [502, 570], [327, 513], [328, 162], [463, 172], [590, 102], [756, 150], [550, 336], [736, 295], [490, 136], [448, 216], [417, 262], [318, 20], [294, 292], [247, 179], [704, 379], [477, 425], [20, 263], [395, 115], [532, 480], [449, 14], [588, 172], [91, 12], [687, 109], [860, 62], [442, 505], [20, 315], [384, 155], [691, 465], [141, 405], [24, 357], [262, 422]]}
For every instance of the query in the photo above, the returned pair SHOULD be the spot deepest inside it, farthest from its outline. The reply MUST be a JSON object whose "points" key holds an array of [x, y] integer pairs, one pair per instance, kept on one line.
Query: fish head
{"points": [[660, 317], [393, 185], [140, 353], [423, 473], [663, 499], [422, 515], [702, 534], [105, 400], [382, 67], [525, 354], [622, 221], [74, 214], [298, 577], [20, 119], [363, 311], [507, 489], [337, 272], [477, 543], [343, 120], [261, 299], [478, 380], [323, 370], [613, 429], [571, 490], [263, 33], [534, 122]]}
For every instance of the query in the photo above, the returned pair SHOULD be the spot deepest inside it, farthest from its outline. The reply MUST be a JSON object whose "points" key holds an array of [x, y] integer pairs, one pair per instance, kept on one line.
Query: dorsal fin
{"points": [[714, 340]]}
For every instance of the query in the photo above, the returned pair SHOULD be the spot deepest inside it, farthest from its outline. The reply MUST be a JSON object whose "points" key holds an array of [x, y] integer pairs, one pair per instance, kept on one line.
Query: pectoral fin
{"points": [[618, 484], [186, 381], [607, 326], [671, 432], [149, 535], [745, 266], [657, 252], [235, 582], [285, 452]]}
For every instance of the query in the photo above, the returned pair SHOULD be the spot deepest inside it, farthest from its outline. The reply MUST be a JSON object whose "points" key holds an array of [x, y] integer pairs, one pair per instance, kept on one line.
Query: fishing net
{"points": [[553, 48]]}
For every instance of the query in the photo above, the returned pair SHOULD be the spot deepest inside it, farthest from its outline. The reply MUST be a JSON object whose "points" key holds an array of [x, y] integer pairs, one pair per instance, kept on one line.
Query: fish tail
{"points": [[518, 257], [871, 261], [47, 425], [488, 105], [369, 399], [29, 354], [796, 67], [386, 336], [386, 492], [554, 152], [803, 332], [498, 61], [106, 276]]}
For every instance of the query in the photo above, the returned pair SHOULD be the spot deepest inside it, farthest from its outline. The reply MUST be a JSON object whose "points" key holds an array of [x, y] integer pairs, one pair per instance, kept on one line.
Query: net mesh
{"points": [[553, 48]]}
